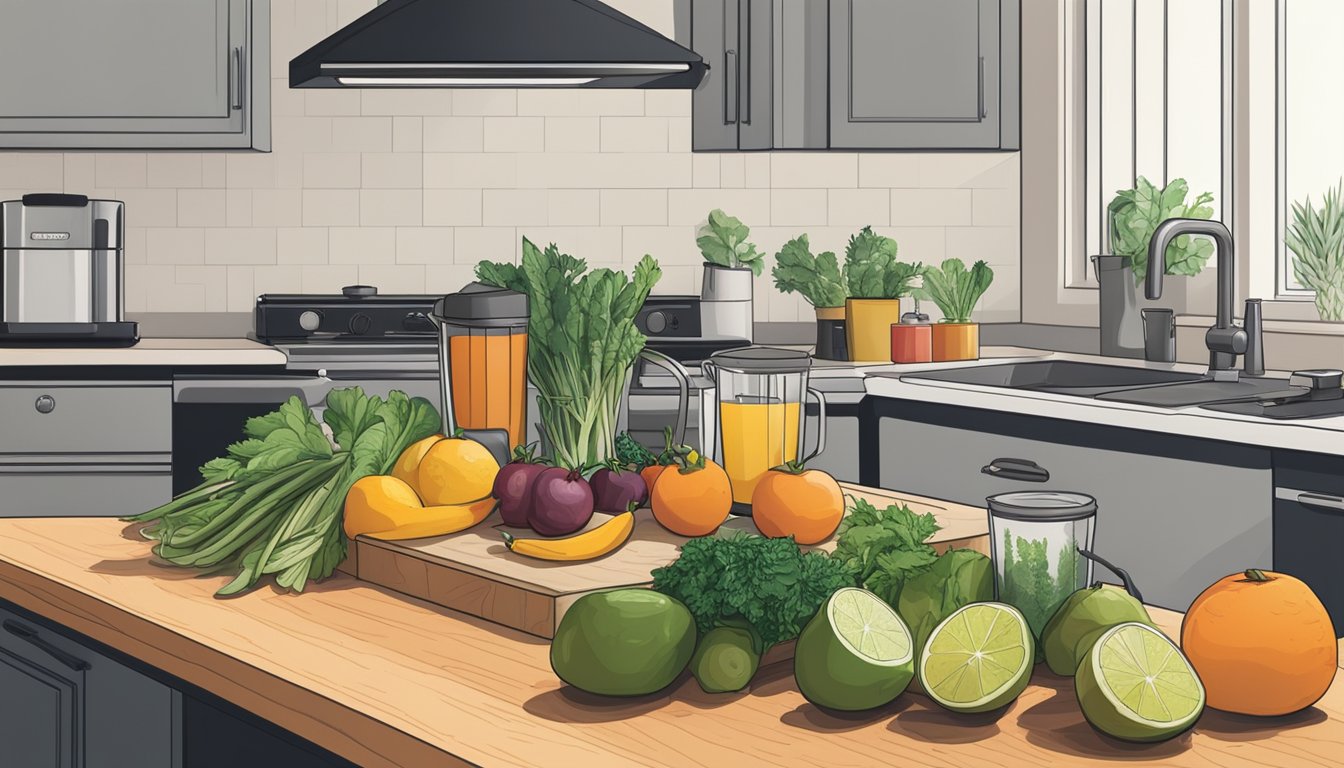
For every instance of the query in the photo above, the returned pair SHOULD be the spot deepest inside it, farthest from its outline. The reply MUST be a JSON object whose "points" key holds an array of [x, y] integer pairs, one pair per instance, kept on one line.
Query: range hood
{"points": [[496, 44]]}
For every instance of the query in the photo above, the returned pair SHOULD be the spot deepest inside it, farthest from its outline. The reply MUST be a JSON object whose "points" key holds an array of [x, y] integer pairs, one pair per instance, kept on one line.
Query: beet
{"points": [[513, 488], [615, 489], [562, 502]]}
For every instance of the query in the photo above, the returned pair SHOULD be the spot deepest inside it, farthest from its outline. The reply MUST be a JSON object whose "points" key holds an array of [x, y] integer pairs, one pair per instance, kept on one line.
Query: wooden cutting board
{"points": [[474, 573]]}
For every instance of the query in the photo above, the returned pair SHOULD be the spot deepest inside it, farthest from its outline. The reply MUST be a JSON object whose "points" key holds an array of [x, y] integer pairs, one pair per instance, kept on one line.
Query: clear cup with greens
{"points": [[1041, 547]]}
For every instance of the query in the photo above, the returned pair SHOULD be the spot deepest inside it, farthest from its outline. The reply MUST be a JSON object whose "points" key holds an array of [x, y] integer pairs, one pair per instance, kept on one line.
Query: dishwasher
{"points": [[1309, 525]]}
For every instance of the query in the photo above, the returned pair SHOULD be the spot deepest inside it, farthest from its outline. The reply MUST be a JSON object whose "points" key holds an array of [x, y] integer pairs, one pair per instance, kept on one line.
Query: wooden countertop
{"points": [[390, 681]]}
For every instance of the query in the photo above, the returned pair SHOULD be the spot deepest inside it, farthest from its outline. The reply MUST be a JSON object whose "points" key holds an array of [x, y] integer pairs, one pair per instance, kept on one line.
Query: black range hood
{"points": [[496, 44]]}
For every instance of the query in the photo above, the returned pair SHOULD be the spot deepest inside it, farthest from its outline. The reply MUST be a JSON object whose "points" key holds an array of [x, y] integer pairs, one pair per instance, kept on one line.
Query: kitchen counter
{"points": [[1323, 435], [149, 352], [389, 681]]}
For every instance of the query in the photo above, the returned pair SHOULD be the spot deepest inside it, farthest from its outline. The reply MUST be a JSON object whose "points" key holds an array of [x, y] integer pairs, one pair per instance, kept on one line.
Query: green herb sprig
{"points": [[723, 242], [955, 289], [1136, 213], [872, 270], [818, 278], [881, 549], [1316, 239]]}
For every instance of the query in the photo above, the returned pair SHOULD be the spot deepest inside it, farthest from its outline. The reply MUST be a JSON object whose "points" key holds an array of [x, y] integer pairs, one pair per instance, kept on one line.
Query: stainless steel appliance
{"points": [[61, 280], [1309, 524]]}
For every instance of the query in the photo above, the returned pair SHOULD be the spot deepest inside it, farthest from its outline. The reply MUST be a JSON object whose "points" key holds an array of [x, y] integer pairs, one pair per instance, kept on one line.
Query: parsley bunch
{"points": [[881, 549]]}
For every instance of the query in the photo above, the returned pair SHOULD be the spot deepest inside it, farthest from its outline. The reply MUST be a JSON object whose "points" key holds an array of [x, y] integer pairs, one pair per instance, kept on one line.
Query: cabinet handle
{"points": [[744, 42], [980, 90], [45, 404], [236, 77], [30, 635], [729, 87], [1016, 469], [1319, 501]]}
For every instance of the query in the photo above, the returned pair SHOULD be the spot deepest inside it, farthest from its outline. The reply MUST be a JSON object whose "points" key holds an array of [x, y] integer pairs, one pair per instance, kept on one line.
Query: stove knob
{"points": [[360, 323], [310, 320], [359, 291], [656, 322]]}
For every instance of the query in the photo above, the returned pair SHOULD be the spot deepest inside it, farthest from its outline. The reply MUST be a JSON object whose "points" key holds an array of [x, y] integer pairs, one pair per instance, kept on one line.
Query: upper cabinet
{"points": [[857, 74], [142, 75]]}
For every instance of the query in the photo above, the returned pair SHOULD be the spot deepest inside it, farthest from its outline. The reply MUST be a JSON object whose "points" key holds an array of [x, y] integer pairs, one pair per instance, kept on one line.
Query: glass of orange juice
{"points": [[757, 418], [486, 364]]}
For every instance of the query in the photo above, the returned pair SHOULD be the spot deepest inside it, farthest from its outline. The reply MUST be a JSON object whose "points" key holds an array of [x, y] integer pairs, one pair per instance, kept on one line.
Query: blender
{"points": [[483, 364], [1041, 546], [754, 418]]}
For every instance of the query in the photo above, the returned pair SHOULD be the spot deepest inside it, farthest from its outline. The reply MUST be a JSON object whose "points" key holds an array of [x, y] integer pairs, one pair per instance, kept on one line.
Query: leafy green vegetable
{"points": [[582, 340], [723, 241], [957, 578], [766, 586], [818, 278], [956, 290], [871, 268], [1031, 585], [274, 504], [882, 549], [1316, 239], [631, 453], [1136, 213]]}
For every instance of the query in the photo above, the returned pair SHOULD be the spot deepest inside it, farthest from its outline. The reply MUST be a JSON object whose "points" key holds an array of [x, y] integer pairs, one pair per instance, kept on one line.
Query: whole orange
{"points": [[651, 473], [692, 501], [806, 505], [1262, 643]]}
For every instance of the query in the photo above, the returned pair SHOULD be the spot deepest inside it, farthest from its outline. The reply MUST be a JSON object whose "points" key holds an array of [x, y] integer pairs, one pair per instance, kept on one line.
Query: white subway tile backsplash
{"points": [[452, 207], [299, 245], [474, 244], [407, 101], [580, 207], [276, 207], [634, 134], [395, 278], [79, 175], [329, 278], [814, 169], [327, 102], [633, 206], [448, 278], [34, 171], [995, 245], [200, 208], [331, 170], [251, 170], [757, 170], [917, 207], [995, 207], [120, 169], [361, 134], [573, 134], [859, 207], [667, 103], [147, 207], [174, 170], [515, 134], [362, 245], [213, 170], [798, 207], [390, 207], [174, 245], [424, 245], [470, 170], [732, 171], [408, 134], [238, 207], [983, 170], [241, 289], [706, 170], [241, 245], [330, 207], [454, 134], [485, 101], [889, 169], [692, 206], [384, 170], [671, 246]]}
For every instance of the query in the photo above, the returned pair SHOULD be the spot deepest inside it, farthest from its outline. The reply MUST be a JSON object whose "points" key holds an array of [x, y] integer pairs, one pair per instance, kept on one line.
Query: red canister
{"points": [[911, 341]]}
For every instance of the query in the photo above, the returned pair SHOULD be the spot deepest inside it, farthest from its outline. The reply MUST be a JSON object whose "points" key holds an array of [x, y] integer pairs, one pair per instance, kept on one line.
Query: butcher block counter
{"points": [[387, 680]]}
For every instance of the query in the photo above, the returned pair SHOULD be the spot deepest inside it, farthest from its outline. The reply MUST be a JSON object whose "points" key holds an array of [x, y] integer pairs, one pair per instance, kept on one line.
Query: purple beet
{"points": [[562, 502], [513, 487], [615, 489]]}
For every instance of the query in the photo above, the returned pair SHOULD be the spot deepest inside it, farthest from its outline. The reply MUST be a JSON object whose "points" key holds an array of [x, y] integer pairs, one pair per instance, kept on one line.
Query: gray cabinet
{"points": [[924, 75], [732, 105], [63, 705], [144, 74], [1177, 513], [78, 448]]}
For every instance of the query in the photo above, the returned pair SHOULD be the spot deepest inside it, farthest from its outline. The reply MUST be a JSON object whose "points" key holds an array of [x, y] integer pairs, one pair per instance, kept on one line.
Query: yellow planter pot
{"points": [[868, 328], [956, 341]]}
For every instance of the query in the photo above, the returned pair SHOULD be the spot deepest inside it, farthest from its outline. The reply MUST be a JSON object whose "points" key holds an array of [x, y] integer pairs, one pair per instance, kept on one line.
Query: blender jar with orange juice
{"points": [[484, 331], [757, 417]]}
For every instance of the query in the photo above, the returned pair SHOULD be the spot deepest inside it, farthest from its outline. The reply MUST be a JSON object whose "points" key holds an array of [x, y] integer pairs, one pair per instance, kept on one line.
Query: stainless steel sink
{"points": [[1117, 383], [1062, 377]]}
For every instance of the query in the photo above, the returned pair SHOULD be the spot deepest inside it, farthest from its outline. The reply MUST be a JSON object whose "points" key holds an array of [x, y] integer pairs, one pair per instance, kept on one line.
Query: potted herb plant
{"points": [[731, 262], [821, 282], [956, 290], [1316, 239], [876, 281], [1134, 215]]}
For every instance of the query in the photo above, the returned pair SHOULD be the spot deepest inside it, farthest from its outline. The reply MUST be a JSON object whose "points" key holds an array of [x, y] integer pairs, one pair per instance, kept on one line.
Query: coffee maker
{"points": [[61, 278]]}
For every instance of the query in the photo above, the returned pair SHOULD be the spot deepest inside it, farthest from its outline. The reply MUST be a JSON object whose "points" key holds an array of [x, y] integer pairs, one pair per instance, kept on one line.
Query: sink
{"points": [[1201, 392], [1062, 377]]}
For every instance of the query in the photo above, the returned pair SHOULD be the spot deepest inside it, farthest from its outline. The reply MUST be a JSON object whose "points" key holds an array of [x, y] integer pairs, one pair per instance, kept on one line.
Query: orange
{"points": [[651, 473], [1262, 644], [409, 460], [806, 505], [692, 502], [455, 471]]}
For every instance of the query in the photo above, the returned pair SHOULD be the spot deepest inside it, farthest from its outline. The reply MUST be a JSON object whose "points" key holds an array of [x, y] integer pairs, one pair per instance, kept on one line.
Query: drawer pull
{"points": [[45, 404], [30, 635], [1017, 469], [1318, 501]]}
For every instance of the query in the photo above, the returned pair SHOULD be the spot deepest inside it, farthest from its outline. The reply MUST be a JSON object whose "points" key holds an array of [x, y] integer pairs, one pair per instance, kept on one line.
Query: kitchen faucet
{"points": [[1225, 339]]}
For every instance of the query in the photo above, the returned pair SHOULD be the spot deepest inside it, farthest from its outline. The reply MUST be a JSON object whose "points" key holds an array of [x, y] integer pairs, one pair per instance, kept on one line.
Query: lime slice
{"points": [[856, 653], [978, 659], [1136, 685]]}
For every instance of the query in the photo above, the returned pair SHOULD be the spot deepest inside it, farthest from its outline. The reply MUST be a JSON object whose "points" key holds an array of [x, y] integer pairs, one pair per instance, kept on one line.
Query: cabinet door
{"points": [[913, 74], [1178, 514], [39, 707], [149, 73], [733, 106]]}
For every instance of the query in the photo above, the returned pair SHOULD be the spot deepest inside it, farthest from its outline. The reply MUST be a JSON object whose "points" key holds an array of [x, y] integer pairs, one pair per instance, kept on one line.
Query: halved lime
{"points": [[856, 653], [978, 659], [1136, 685]]}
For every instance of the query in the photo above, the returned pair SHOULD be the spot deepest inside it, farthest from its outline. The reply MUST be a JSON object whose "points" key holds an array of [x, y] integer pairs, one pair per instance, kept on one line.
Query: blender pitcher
{"points": [[756, 421], [483, 331], [1041, 546]]}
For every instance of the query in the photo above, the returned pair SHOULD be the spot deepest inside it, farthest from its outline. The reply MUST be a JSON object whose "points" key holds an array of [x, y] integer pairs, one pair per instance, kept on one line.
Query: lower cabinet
{"points": [[63, 705], [1177, 513]]}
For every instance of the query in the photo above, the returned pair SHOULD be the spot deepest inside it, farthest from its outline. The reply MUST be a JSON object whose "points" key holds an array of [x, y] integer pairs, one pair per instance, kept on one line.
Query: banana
{"points": [[439, 521], [584, 546]]}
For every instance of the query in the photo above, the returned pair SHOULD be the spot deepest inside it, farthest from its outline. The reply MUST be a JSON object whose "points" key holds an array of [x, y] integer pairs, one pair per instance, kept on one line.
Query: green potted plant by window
{"points": [[731, 263], [821, 281], [956, 290], [876, 281], [1316, 239], [1134, 215]]}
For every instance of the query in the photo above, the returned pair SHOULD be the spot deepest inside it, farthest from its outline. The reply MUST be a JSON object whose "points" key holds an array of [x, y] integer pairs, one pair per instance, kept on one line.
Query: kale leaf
{"points": [[882, 549]]}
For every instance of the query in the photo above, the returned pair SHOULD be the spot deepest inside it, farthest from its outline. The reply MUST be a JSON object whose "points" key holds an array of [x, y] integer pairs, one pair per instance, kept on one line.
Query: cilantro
{"points": [[871, 268], [882, 549], [818, 278], [723, 242]]}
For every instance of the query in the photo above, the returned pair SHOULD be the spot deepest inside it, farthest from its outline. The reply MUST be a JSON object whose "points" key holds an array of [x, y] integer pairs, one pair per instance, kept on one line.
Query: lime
{"points": [[1081, 619], [855, 654], [1136, 685], [978, 659]]}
